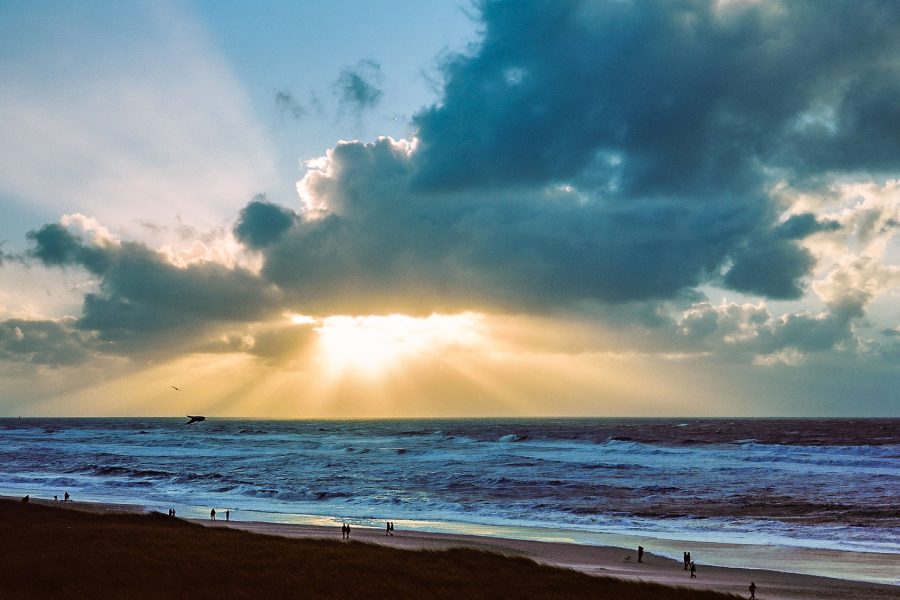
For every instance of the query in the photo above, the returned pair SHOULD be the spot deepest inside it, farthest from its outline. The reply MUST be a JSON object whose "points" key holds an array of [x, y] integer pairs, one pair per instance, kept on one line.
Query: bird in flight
{"points": [[195, 419], [174, 388]]}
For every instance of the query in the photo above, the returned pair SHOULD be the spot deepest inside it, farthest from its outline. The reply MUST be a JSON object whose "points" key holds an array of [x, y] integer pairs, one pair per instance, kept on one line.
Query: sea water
{"points": [[827, 484]]}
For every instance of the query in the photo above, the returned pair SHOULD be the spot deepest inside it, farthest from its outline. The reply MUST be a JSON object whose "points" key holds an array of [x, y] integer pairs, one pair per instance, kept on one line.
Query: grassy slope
{"points": [[53, 552]]}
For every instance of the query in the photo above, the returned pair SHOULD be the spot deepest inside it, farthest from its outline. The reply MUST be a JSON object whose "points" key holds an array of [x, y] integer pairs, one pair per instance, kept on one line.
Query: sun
{"points": [[374, 345]]}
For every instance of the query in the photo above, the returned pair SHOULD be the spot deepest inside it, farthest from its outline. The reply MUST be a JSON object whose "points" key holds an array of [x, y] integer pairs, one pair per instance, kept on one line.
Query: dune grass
{"points": [[50, 552]]}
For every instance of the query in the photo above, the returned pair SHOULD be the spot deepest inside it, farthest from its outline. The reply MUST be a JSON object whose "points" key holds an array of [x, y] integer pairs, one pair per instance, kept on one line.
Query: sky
{"points": [[439, 209]]}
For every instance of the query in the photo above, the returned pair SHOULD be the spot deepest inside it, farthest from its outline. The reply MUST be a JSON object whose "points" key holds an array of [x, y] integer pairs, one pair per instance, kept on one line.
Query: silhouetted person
{"points": [[55, 497], [387, 528], [348, 531], [752, 591], [687, 558], [66, 496], [686, 561], [391, 528], [693, 570], [343, 531], [25, 499], [212, 515], [227, 515], [640, 554]]}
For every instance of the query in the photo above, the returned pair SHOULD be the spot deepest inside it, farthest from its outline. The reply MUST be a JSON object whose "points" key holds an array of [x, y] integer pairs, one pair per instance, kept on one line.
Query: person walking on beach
{"points": [[343, 531], [686, 561], [66, 496], [227, 515], [640, 554], [752, 591], [212, 515], [693, 570], [391, 528], [348, 531]]}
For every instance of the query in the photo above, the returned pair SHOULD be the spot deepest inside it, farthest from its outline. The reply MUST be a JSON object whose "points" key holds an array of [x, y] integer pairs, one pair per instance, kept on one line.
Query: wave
{"points": [[639, 476]]}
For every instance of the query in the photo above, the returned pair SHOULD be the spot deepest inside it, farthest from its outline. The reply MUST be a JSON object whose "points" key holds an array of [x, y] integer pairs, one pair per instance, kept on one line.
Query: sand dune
{"points": [[593, 560], [603, 560]]}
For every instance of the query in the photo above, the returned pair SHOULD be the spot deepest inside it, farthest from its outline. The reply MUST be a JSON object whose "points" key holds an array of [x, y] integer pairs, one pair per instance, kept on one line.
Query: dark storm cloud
{"points": [[771, 265], [668, 98], [802, 225], [262, 223], [44, 342], [56, 246], [144, 298], [604, 151], [359, 87], [388, 246]]}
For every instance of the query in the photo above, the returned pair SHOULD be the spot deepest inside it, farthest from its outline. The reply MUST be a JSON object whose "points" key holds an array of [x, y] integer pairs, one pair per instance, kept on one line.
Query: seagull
{"points": [[195, 419], [174, 388]]}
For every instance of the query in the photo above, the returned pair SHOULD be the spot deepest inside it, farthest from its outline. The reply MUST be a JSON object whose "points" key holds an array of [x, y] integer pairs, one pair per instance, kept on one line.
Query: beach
{"points": [[602, 561], [605, 561]]}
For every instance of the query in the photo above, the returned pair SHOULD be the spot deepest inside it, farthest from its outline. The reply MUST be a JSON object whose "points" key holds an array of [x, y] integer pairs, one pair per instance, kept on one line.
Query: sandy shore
{"points": [[601, 560], [590, 559]]}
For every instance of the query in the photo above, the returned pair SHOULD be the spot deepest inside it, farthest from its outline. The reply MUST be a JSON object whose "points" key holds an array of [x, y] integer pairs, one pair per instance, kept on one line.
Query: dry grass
{"points": [[50, 552]]}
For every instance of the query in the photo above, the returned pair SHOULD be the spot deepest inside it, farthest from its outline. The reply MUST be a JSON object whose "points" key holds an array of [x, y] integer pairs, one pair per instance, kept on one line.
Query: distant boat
{"points": [[195, 419]]}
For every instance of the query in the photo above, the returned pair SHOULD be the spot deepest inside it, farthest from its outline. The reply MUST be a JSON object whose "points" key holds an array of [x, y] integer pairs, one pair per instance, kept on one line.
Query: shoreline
{"points": [[598, 560]]}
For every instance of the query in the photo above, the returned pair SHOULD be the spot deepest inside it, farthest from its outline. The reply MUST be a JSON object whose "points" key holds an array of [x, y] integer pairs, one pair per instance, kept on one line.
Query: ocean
{"points": [[807, 483]]}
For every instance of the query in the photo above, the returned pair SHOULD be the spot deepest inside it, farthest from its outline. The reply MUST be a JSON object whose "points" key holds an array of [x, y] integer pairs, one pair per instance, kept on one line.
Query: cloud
{"points": [[288, 104], [359, 87], [143, 301], [372, 240], [261, 223], [772, 269], [772, 265], [731, 330], [601, 158], [692, 98], [626, 152], [44, 342], [283, 344]]}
